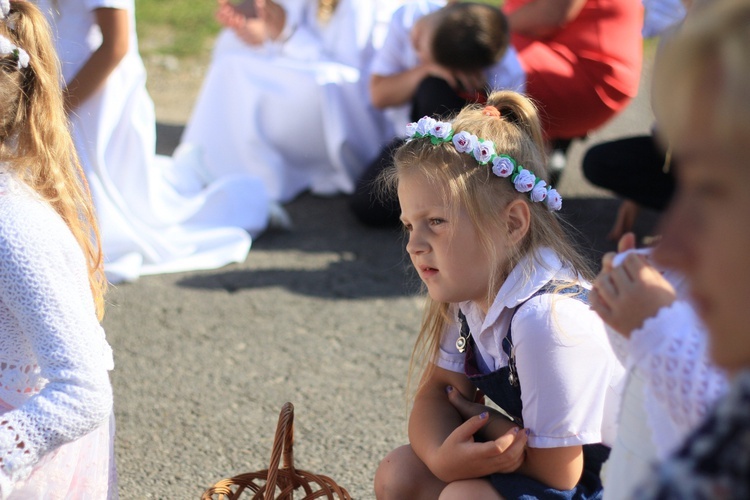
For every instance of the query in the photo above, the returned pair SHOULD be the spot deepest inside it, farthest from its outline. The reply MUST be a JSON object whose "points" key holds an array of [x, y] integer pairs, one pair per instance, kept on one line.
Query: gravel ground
{"points": [[323, 316]]}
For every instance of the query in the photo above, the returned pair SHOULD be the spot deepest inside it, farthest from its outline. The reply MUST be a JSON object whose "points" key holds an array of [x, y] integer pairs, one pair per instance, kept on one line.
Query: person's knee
{"points": [[402, 475], [390, 481], [471, 488]]}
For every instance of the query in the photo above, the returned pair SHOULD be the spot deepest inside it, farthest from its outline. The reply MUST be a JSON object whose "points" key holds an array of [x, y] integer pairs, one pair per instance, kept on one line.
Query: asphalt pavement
{"points": [[323, 316]]}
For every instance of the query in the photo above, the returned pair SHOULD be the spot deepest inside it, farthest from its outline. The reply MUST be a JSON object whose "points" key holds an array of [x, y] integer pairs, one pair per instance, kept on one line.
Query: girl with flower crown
{"points": [[56, 418], [507, 315], [153, 221]]}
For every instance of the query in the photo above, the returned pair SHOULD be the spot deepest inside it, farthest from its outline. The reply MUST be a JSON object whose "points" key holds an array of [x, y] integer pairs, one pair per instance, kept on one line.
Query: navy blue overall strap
{"points": [[558, 287], [551, 287]]}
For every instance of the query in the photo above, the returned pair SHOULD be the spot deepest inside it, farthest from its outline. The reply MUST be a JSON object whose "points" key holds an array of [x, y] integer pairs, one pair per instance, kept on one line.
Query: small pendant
{"points": [[461, 344]]}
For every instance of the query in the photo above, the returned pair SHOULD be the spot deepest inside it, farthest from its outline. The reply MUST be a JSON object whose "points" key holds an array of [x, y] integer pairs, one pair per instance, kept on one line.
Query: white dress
{"points": [[57, 425], [295, 113], [671, 387], [149, 224]]}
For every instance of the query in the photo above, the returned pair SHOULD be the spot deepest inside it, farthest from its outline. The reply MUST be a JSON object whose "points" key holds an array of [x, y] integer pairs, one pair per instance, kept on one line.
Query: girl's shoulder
{"points": [[561, 317], [25, 218]]}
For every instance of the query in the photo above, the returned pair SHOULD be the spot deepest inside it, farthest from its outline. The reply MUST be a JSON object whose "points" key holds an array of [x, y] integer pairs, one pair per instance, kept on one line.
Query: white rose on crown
{"points": [[524, 181], [484, 151], [539, 193], [503, 166], [464, 142], [6, 46], [411, 129], [554, 200], [425, 124], [441, 130], [23, 59]]}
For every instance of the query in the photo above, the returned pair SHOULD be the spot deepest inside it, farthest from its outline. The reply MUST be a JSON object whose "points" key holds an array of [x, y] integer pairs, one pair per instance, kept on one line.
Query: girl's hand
{"points": [[499, 428], [461, 457], [627, 295]]}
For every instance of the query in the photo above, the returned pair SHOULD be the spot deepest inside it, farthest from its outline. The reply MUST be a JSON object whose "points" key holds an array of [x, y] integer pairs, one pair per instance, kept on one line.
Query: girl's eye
{"points": [[407, 227], [436, 222]]}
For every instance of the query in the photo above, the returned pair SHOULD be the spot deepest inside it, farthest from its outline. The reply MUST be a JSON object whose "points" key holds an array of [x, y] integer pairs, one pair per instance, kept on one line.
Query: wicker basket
{"points": [[263, 485]]}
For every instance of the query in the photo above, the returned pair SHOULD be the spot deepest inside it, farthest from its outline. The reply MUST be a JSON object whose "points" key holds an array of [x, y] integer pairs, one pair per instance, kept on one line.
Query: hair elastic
{"points": [[491, 111], [483, 151]]}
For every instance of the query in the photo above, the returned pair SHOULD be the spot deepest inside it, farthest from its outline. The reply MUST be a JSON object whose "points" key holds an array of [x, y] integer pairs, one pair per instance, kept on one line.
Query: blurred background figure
{"points": [[285, 95], [582, 60], [149, 223]]}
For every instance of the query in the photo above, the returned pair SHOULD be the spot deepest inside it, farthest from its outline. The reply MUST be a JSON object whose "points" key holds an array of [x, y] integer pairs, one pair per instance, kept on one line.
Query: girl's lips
{"points": [[427, 272]]}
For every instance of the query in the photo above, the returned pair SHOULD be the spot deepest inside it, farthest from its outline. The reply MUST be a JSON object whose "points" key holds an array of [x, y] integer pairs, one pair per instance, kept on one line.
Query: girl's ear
{"points": [[518, 219]]}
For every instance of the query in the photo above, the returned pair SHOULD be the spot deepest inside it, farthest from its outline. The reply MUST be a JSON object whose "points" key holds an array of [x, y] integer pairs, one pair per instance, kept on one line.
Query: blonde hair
{"points": [[466, 184], [35, 141], [706, 65]]}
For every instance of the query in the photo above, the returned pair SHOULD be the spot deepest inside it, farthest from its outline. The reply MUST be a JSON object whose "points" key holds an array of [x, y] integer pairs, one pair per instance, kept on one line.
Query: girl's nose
{"points": [[416, 244]]}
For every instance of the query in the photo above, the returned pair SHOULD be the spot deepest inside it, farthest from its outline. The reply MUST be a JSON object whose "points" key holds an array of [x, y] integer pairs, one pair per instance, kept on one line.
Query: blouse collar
{"points": [[531, 273]]}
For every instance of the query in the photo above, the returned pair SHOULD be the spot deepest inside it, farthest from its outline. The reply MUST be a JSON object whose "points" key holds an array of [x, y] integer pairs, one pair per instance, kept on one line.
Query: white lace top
{"points": [[54, 359], [671, 351]]}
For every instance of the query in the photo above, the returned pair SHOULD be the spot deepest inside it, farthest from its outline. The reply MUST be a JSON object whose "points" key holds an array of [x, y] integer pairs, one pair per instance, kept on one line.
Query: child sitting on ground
{"points": [[436, 58], [507, 314]]}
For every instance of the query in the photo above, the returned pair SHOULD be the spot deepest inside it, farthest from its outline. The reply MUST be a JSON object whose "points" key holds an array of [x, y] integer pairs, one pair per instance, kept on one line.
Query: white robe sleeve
{"points": [[682, 386]]}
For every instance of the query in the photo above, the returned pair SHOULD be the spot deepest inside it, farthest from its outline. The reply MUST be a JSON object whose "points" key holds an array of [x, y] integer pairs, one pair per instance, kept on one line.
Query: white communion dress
{"points": [[295, 112], [149, 224]]}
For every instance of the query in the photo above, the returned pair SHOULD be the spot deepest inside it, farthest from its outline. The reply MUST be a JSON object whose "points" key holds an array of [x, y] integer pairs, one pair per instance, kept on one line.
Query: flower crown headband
{"points": [[20, 56], [484, 153]]}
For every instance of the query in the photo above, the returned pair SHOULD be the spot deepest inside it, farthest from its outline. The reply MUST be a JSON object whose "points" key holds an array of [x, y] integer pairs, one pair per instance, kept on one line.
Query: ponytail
{"points": [[35, 139]]}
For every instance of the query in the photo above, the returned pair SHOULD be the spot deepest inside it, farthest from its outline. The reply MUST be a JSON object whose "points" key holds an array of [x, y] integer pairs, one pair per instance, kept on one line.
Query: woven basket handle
{"points": [[282, 444]]}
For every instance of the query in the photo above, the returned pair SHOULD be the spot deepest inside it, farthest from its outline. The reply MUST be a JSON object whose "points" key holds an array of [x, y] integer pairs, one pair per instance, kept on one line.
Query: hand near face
{"points": [[627, 295]]}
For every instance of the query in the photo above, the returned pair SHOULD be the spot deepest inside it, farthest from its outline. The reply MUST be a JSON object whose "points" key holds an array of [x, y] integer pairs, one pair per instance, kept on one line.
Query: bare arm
{"points": [[445, 443], [543, 18], [115, 26], [397, 89], [559, 468]]}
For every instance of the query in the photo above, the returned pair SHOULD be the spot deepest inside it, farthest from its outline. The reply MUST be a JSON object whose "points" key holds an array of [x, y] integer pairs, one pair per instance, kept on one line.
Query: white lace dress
{"points": [[150, 222], [671, 388], [56, 416]]}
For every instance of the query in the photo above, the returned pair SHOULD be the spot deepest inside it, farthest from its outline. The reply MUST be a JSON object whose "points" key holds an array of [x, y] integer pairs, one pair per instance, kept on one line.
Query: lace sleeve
{"points": [[671, 351], [48, 323]]}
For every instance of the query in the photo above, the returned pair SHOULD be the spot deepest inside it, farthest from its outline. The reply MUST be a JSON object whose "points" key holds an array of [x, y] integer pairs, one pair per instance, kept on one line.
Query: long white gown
{"points": [[295, 113], [149, 224]]}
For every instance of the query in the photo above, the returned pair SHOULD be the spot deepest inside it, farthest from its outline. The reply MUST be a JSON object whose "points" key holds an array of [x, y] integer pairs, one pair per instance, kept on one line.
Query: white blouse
{"points": [[54, 359], [570, 378]]}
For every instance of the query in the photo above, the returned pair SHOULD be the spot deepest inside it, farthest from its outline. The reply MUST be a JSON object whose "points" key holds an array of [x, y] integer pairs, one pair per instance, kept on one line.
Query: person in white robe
{"points": [[149, 224], [290, 104]]}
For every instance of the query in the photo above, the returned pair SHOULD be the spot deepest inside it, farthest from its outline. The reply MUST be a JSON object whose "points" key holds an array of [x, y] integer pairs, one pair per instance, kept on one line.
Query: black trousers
{"points": [[632, 168], [435, 98]]}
